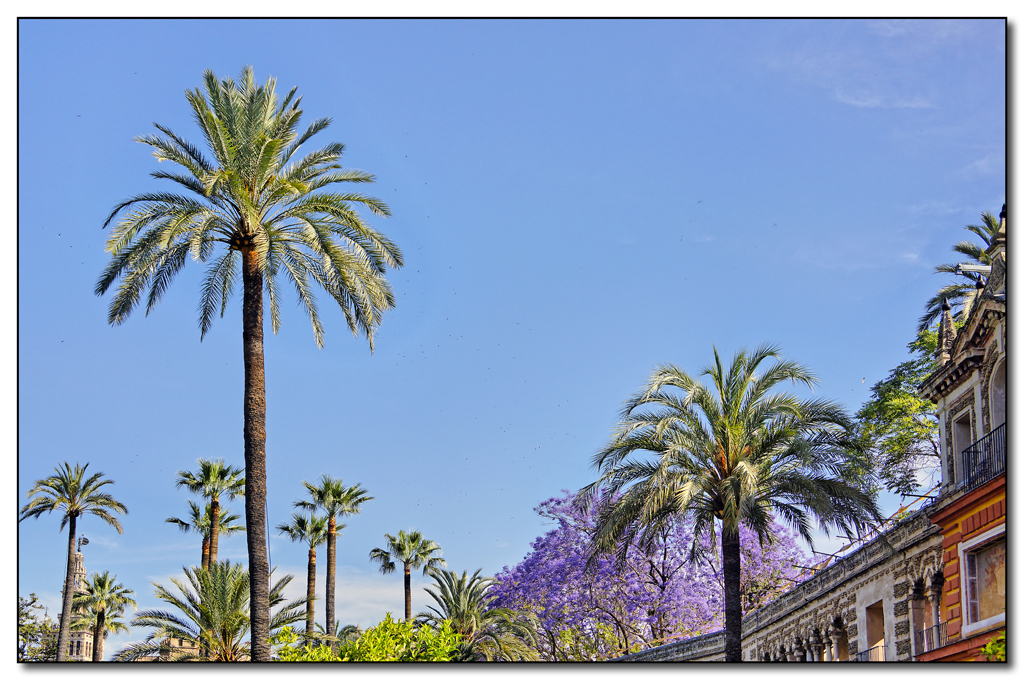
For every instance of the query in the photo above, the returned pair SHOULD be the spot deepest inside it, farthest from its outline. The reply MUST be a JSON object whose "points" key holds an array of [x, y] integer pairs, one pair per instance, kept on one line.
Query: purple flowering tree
{"points": [[651, 597]]}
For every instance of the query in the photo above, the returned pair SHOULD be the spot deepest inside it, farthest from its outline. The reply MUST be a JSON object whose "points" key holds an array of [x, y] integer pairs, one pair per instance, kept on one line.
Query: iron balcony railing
{"points": [[876, 653], [930, 639], [985, 459]]}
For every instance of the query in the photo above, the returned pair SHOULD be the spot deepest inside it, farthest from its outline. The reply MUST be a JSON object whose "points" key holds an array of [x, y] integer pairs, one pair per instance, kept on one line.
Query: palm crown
{"points": [[311, 530], [252, 195], [963, 292], [487, 632], [200, 521], [74, 495], [411, 549]]}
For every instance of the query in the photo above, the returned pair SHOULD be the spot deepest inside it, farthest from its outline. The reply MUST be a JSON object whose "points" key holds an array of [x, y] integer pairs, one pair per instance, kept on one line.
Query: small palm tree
{"points": [[259, 212], [311, 530], [734, 453], [413, 551], [963, 293], [102, 596], [213, 480], [212, 614], [488, 633], [74, 495], [199, 522], [335, 500]]}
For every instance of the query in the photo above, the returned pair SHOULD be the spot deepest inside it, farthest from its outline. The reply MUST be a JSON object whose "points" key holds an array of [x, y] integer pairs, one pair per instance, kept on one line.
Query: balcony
{"points": [[930, 639], [876, 653], [985, 459]]}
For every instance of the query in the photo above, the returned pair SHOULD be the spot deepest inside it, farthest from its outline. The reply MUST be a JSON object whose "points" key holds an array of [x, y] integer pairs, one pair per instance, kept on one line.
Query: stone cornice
{"points": [[952, 375], [968, 352]]}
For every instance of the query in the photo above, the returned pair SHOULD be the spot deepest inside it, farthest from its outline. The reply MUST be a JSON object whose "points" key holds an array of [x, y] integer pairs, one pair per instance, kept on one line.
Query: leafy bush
{"points": [[389, 640], [995, 649]]}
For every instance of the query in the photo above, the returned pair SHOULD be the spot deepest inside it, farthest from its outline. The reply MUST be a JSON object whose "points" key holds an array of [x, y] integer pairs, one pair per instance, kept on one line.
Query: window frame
{"points": [[958, 447], [966, 548]]}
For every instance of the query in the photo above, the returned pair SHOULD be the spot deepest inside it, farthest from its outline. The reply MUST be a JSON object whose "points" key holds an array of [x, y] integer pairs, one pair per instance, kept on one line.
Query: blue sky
{"points": [[577, 202]]}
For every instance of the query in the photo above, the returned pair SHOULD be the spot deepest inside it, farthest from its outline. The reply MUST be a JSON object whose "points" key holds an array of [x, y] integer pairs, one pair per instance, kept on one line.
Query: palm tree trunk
{"points": [[214, 528], [255, 435], [310, 590], [332, 530], [63, 633], [408, 593], [733, 604], [205, 562], [97, 636]]}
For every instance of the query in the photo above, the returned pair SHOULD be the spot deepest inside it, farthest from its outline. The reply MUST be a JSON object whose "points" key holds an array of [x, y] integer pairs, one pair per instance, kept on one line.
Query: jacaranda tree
{"points": [[727, 454], [258, 210], [601, 610]]}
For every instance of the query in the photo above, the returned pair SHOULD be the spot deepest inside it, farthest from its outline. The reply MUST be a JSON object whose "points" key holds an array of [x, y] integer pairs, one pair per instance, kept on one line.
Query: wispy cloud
{"points": [[991, 164], [874, 64], [868, 99]]}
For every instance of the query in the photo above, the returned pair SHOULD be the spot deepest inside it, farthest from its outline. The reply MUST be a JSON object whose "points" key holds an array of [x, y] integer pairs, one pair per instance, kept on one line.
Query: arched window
{"points": [[997, 396]]}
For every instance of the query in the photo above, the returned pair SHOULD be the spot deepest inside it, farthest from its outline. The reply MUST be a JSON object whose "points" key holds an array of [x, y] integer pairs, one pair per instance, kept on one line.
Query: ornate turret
{"points": [[947, 335]]}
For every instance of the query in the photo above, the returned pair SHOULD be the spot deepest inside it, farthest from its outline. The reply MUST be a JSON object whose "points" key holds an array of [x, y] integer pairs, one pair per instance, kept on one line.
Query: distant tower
{"points": [[80, 641]]}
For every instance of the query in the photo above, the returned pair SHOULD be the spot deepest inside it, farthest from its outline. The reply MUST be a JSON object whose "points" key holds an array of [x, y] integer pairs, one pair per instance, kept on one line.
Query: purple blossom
{"points": [[656, 596]]}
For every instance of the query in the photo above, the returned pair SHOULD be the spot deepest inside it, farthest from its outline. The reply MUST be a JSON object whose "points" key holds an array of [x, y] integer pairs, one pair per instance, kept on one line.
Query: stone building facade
{"points": [[864, 607], [969, 389]]}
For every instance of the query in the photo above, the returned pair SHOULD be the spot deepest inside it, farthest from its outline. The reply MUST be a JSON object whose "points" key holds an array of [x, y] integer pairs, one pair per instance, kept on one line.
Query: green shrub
{"points": [[389, 640], [995, 649]]}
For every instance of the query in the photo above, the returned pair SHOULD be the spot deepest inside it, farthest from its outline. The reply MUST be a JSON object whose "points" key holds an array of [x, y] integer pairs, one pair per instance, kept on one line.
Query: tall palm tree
{"points": [[963, 292], [102, 594], [212, 480], [199, 522], [313, 531], [488, 633], [413, 551], [335, 500], [257, 209], [212, 613], [74, 495], [734, 453]]}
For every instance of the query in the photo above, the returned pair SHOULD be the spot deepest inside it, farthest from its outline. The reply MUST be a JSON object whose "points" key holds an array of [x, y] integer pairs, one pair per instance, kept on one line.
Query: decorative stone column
{"points": [[835, 644], [816, 648], [935, 598]]}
